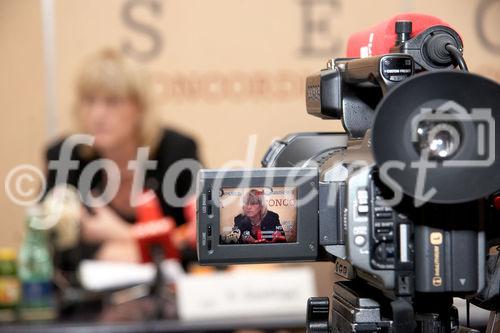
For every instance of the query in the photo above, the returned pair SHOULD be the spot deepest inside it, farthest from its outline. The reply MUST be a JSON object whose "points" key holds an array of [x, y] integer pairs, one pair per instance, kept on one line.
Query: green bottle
{"points": [[36, 271]]}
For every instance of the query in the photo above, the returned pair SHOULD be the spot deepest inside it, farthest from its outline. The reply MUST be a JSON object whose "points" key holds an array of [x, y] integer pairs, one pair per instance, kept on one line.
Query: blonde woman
{"points": [[113, 104], [256, 223]]}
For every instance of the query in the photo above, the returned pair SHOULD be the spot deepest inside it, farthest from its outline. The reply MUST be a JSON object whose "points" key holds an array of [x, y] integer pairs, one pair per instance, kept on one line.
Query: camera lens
{"points": [[440, 140]]}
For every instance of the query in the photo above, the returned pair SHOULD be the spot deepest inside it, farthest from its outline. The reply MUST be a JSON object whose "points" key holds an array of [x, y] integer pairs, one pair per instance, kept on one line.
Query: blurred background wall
{"points": [[228, 72]]}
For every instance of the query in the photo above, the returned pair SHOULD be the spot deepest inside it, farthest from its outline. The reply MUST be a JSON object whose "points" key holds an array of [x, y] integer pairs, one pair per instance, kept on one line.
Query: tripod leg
{"points": [[493, 323]]}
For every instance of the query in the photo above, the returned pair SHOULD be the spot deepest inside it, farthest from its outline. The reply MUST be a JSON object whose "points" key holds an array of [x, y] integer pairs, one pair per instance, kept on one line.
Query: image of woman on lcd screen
{"points": [[256, 223]]}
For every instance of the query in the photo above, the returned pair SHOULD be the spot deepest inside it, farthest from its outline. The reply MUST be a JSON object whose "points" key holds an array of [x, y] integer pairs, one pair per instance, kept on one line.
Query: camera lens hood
{"points": [[468, 102]]}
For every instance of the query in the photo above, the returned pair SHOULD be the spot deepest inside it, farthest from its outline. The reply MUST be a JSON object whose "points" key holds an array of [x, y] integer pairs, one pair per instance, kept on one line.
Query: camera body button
{"points": [[359, 240]]}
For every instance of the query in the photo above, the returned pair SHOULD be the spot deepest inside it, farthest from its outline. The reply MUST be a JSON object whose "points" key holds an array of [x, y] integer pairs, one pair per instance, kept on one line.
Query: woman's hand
{"points": [[104, 225], [112, 232]]}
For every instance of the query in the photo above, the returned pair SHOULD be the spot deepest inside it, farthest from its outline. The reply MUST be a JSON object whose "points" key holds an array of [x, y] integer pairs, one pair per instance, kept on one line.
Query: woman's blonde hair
{"points": [[253, 197], [108, 73]]}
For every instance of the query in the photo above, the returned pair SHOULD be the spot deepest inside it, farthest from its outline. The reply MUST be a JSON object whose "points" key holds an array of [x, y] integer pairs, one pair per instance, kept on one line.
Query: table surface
{"points": [[157, 326]]}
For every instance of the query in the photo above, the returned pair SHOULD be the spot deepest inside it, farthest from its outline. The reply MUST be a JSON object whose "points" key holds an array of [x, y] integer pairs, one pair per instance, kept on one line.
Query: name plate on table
{"points": [[246, 293]]}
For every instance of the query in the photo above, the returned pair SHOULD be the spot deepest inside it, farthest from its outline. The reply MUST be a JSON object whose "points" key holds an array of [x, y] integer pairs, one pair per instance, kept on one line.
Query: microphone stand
{"points": [[158, 287]]}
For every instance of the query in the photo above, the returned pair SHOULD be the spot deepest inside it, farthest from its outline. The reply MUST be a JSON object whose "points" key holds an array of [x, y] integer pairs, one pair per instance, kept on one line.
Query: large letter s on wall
{"points": [[127, 14]]}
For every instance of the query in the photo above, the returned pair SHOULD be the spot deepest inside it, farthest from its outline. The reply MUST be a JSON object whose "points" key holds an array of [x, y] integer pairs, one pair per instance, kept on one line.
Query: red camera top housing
{"points": [[380, 38]]}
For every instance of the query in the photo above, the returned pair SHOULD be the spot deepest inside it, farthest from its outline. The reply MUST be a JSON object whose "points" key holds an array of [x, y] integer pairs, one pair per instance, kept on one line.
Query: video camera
{"points": [[404, 203]]}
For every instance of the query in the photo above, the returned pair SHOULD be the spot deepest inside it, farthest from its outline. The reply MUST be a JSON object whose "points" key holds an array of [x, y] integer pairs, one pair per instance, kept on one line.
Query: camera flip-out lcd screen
{"points": [[258, 215]]}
